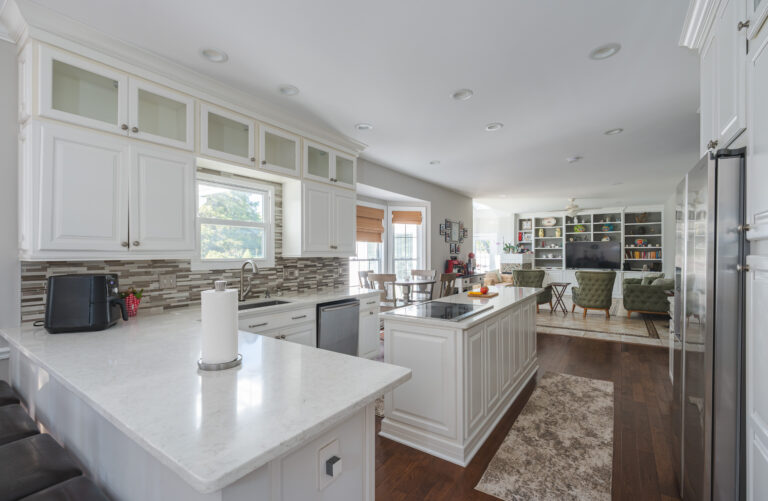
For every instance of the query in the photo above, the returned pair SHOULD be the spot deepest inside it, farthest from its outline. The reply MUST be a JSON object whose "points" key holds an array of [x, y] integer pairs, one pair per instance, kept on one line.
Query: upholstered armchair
{"points": [[594, 292], [651, 297], [534, 278]]}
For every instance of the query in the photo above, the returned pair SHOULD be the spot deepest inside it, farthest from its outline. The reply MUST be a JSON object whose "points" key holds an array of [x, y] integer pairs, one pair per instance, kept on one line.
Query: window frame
{"points": [[383, 264], [422, 233], [268, 261]]}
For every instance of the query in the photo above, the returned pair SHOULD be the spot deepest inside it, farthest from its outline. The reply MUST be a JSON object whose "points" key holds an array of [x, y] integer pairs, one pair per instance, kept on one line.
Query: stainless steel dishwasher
{"points": [[338, 326]]}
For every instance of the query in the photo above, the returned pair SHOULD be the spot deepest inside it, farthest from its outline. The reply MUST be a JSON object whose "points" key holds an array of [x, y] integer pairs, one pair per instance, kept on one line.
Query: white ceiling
{"points": [[395, 63]]}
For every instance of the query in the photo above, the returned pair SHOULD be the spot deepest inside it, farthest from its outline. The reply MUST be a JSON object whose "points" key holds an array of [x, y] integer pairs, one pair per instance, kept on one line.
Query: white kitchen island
{"points": [[466, 374], [130, 403]]}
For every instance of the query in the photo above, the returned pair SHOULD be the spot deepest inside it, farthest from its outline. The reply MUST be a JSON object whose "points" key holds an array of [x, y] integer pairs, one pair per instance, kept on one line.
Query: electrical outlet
{"points": [[167, 281]]}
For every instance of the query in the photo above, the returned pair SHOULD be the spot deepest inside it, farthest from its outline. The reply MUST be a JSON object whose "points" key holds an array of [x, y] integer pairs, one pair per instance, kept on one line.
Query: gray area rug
{"points": [[560, 447]]}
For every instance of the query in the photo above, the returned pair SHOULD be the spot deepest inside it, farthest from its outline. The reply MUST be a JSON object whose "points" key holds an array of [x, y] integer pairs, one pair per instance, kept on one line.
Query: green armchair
{"points": [[534, 278], [647, 298], [594, 292]]}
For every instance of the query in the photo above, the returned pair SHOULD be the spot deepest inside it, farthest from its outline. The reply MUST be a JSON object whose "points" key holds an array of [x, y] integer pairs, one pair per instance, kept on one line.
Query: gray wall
{"points": [[445, 204]]}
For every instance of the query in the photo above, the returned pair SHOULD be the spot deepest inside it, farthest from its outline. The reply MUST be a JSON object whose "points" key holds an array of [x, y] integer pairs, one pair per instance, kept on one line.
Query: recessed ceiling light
{"points": [[215, 55], [434, 162], [604, 51], [462, 94], [574, 159], [288, 90], [493, 126], [364, 126], [613, 132]]}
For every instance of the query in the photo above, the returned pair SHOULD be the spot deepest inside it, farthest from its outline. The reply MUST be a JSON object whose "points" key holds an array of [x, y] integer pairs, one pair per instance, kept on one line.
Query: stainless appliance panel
{"points": [[679, 326], [338, 326]]}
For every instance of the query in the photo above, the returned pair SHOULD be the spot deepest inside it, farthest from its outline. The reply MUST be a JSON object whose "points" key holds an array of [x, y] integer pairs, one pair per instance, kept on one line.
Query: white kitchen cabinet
{"points": [[328, 166], [83, 198], [279, 151], [160, 115], [475, 379], [707, 77], [162, 205], [368, 328], [757, 13], [303, 334], [227, 136], [82, 92], [492, 355], [90, 194], [319, 220]]}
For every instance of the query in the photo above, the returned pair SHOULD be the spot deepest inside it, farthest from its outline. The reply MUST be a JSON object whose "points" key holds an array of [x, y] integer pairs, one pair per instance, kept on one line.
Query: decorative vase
{"points": [[132, 304], [558, 232], [541, 232]]}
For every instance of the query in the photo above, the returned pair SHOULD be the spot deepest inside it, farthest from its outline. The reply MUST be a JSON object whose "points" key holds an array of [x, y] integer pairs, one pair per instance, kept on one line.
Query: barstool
{"points": [[15, 424], [32, 464], [7, 395], [79, 488]]}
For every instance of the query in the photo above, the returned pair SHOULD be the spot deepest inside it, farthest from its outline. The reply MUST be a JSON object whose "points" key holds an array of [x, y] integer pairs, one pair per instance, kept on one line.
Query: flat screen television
{"points": [[605, 255]]}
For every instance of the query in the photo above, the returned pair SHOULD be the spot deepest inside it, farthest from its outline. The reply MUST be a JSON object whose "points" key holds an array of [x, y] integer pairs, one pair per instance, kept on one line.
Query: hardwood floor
{"points": [[642, 454]]}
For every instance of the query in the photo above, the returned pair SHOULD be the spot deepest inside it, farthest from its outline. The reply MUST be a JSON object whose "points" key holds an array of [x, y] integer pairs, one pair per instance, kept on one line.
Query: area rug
{"points": [[560, 447], [619, 325]]}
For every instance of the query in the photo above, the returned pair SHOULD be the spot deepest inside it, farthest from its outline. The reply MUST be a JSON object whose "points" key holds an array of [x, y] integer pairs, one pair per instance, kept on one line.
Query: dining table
{"points": [[407, 284]]}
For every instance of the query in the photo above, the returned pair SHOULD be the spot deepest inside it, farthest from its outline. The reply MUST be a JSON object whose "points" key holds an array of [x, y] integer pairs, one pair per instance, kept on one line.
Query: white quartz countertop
{"points": [[507, 298], [303, 300], [211, 428]]}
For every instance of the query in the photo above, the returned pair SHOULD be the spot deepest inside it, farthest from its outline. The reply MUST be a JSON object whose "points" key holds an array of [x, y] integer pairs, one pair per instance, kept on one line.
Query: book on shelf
{"points": [[642, 255]]}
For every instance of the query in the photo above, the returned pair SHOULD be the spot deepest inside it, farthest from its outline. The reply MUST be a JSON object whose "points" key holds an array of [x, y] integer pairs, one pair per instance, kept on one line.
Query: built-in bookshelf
{"points": [[639, 231], [525, 234]]}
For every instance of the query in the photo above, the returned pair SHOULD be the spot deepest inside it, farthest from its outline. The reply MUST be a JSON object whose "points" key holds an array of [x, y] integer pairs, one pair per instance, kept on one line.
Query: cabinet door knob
{"points": [[253, 159], [712, 144], [135, 243], [742, 25], [124, 244], [263, 162], [124, 126], [134, 129]]}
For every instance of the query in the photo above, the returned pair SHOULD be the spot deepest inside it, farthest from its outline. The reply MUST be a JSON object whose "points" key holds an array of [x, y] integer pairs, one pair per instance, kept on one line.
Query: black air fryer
{"points": [[78, 303]]}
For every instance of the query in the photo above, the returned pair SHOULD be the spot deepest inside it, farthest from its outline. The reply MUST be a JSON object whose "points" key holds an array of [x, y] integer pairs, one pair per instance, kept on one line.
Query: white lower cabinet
{"points": [[89, 194], [368, 334], [303, 334], [297, 326]]}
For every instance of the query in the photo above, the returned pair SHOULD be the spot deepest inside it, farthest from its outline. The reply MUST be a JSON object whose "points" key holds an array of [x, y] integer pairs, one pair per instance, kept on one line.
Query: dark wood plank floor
{"points": [[642, 454]]}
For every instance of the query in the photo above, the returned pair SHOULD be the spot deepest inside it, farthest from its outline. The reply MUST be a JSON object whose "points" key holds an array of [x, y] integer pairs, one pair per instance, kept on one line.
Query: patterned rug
{"points": [[640, 328], [560, 447]]}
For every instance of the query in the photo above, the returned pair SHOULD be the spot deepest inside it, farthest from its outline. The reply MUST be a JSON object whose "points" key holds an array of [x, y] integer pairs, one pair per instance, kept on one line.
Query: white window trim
{"points": [[268, 261], [384, 264], [423, 261]]}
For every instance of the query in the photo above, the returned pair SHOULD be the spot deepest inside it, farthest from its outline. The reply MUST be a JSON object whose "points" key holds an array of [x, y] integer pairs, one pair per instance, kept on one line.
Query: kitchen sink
{"points": [[261, 304]]}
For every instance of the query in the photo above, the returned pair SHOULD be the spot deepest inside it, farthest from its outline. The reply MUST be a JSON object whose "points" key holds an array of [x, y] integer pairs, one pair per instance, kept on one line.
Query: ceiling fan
{"points": [[572, 208]]}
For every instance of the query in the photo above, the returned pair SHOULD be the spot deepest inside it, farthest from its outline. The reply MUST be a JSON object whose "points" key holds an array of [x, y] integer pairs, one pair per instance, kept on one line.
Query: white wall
{"points": [[444, 204], [10, 281]]}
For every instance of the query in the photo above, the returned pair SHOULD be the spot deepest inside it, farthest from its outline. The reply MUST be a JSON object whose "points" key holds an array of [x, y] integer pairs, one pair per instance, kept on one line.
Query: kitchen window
{"points": [[407, 240], [368, 257], [234, 222]]}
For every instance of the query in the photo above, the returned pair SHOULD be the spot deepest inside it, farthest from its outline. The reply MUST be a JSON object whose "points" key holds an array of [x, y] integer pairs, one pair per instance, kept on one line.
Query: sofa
{"points": [[647, 295], [594, 292]]}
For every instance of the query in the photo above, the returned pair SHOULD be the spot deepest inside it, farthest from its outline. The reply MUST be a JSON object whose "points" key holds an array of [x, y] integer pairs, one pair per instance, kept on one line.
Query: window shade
{"points": [[406, 217], [369, 224]]}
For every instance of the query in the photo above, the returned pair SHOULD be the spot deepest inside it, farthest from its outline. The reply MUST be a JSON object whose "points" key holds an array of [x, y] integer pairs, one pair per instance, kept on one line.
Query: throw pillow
{"points": [[648, 279], [664, 283]]}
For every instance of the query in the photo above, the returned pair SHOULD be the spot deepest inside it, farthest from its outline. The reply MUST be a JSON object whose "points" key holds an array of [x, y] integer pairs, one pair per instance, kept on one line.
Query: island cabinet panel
{"points": [[429, 399], [468, 372], [475, 380]]}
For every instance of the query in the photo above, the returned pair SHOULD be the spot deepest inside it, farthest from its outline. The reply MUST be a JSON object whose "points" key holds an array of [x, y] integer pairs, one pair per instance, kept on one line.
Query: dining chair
{"points": [[447, 284], [363, 277], [426, 291], [384, 282]]}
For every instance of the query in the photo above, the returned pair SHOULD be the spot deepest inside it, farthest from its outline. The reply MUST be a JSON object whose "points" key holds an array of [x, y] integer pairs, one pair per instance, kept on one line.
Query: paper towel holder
{"points": [[220, 366]]}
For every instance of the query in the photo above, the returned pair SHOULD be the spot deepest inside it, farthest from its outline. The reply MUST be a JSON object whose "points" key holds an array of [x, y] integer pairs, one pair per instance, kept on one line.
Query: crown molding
{"points": [[698, 20], [13, 27], [52, 28]]}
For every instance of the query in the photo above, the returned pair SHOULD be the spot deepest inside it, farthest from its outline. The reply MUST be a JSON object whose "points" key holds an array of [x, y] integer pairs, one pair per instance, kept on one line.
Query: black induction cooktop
{"points": [[441, 310]]}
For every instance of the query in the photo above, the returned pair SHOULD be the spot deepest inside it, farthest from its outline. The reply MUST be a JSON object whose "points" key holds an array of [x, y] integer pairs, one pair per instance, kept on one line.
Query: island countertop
{"points": [[210, 428], [508, 297]]}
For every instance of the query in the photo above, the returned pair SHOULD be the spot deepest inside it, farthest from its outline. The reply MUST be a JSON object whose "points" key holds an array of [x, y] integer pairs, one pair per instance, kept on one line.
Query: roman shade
{"points": [[406, 217], [369, 224]]}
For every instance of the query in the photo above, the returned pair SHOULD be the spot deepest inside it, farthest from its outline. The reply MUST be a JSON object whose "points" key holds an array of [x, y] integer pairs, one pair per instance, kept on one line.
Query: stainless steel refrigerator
{"points": [[708, 377]]}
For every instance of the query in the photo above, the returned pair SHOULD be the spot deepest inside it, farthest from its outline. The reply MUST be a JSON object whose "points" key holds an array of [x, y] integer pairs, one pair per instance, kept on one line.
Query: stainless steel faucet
{"points": [[244, 291]]}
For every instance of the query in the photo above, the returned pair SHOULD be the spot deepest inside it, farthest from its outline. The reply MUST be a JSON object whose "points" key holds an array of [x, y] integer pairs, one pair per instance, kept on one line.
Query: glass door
{"points": [[317, 162], [757, 13], [279, 151], [344, 170], [160, 115], [226, 135], [82, 92]]}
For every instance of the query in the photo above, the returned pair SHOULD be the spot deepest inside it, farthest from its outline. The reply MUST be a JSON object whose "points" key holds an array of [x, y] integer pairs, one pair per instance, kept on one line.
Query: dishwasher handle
{"points": [[340, 306]]}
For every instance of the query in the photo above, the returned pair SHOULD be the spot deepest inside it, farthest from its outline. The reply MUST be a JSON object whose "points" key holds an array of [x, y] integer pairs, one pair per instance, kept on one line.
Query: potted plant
{"points": [[132, 299], [508, 248]]}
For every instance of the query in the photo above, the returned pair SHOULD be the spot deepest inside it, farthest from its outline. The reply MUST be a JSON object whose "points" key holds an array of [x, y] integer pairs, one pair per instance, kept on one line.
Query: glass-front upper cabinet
{"points": [[324, 164], [279, 151], [226, 135], [757, 12], [160, 115], [82, 92]]}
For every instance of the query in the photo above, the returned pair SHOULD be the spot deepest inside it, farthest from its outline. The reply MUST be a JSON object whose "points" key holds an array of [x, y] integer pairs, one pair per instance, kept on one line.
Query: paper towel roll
{"points": [[219, 319]]}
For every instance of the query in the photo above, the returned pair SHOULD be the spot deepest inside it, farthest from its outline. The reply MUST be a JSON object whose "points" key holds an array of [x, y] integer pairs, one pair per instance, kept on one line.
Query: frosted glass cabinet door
{"points": [[226, 135], [317, 162], [279, 151], [344, 170], [82, 92], [757, 12], [161, 115]]}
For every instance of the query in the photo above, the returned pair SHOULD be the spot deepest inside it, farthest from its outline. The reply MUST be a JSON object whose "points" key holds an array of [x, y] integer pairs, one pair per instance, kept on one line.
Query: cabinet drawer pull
{"points": [[281, 336], [371, 302], [263, 162], [742, 25], [124, 244], [136, 243], [299, 317], [257, 325], [370, 313], [124, 126], [334, 246], [134, 129], [253, 159]]}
